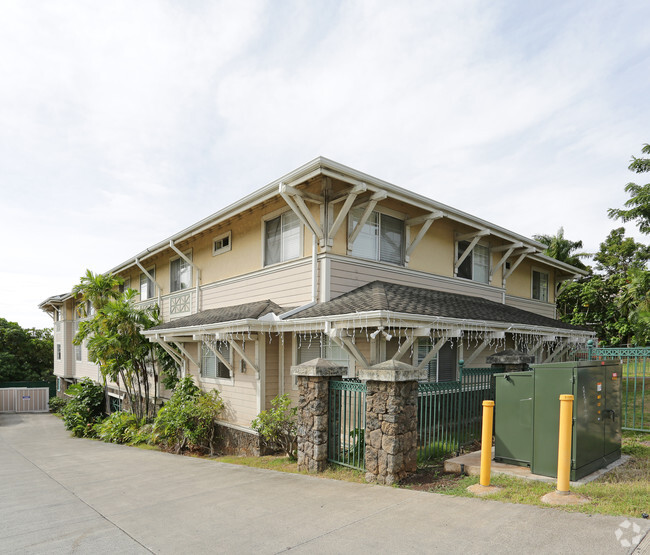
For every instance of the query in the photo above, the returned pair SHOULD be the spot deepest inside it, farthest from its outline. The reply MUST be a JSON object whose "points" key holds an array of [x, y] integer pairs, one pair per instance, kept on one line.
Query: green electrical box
{"points": [[527, 411]]}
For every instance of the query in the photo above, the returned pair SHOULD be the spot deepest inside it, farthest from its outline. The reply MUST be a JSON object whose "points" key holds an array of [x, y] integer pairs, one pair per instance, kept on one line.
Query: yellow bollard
{"points": [[564, 444], [486, 442]]}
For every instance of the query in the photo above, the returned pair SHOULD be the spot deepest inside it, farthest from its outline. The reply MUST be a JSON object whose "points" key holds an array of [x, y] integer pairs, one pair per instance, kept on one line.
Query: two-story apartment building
{"points": [[334, 263]]}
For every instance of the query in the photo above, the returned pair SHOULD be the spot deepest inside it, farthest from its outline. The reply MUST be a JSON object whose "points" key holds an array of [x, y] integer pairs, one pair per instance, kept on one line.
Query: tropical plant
{"points": [[57, 404], [119, 427], [638, 205], [562, 249], [188, 421], [84, 408], [115, 342], [278, 426]]}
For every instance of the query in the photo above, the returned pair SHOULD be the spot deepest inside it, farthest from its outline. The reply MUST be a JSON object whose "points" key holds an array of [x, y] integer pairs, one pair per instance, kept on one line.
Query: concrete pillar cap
{"points": [[318, 367], [392, 371]]}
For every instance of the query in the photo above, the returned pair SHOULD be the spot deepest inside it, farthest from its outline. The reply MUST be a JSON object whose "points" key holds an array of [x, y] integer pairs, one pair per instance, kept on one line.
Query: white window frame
{"points": [[203, 349], [174, 259], [471, 257], [217, 243], [532, 284], [379, 213], [77, 353], [125, 285], [150, 294], [58, 351], [301, 241]]}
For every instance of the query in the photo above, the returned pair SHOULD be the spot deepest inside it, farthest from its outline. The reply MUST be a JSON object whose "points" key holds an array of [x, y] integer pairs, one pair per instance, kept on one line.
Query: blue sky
{"points": [[123, 122]]}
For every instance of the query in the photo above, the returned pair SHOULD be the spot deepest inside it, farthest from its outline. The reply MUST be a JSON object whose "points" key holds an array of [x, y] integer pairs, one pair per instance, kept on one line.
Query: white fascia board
{"points": [[426, 203], [374, 318], [549, 261], [316, 167]]}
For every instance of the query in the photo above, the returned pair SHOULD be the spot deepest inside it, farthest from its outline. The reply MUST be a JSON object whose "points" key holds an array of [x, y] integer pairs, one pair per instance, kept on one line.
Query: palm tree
{"points": [[562, 249]]}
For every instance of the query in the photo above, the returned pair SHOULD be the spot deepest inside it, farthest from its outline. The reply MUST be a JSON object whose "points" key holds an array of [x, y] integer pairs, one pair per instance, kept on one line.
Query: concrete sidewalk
{"points": [[63, 495]]}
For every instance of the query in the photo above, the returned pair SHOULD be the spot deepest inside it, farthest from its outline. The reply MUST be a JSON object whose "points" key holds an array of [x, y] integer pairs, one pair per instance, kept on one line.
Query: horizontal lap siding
{"points": [[287, 287], [537, 307], [240, 398], [346, 276]]}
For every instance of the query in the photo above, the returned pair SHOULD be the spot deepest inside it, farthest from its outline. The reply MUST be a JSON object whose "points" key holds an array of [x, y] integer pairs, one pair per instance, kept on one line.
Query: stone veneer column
{"points": [[313, 410], [391, 421]]}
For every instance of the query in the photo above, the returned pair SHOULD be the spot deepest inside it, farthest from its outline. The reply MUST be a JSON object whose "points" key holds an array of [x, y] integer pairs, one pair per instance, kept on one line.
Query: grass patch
{"points": [[624, 491], [284, 464]]}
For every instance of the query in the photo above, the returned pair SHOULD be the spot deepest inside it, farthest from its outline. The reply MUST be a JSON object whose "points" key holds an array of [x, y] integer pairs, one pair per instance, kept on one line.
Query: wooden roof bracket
{"points": [[149, 276], [295, 199], [374, 199], [426, 222], [350, 348], [351, 196], [476, 237], [223, 359], [513, 267], [432, 353], [237, 348]]}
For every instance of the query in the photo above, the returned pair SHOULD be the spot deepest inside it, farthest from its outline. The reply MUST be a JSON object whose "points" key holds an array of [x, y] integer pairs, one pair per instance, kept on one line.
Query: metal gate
{"points": [[25, 399], [347, 424]]}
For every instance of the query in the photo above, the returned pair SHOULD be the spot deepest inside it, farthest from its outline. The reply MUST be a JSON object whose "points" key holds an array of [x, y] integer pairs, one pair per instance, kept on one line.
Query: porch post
{"points": [[391, 420], [313, 411]]}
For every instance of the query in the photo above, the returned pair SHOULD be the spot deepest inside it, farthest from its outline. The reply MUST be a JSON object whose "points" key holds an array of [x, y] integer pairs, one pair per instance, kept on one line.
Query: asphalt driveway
{"points": [[66, 495]]}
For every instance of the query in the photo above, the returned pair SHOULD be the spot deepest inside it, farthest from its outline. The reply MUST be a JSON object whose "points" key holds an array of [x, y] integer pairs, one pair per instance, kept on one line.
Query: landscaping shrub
{"points": [[278, 426], [188, 420], [119, 427], [84, 408], [57, 404]]}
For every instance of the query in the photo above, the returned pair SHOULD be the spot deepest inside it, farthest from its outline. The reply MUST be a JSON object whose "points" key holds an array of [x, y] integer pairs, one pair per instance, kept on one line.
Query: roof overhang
{"points": [[369, 319], [325, 167]]}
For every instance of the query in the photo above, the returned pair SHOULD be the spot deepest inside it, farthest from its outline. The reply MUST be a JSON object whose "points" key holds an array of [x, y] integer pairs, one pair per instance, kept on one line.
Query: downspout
{"points": [[197, 270]]}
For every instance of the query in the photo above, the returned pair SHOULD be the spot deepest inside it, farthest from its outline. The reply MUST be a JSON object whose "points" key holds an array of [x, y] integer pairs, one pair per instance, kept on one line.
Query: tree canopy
{"points": [[562, 249], [638, 205], [25, 354], [116, 344], [614, 300]]}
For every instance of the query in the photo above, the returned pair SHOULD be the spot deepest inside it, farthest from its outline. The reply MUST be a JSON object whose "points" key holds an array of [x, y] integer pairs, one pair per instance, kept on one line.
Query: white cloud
{"points": [[125, 122]]}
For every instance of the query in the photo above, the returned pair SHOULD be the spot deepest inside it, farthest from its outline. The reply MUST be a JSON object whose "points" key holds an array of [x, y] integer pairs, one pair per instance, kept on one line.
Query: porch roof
{"points": [[247, 311], [392, 297], [373, 303]]}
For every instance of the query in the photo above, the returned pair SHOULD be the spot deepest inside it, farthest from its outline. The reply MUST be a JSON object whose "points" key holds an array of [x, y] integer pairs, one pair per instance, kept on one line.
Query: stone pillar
{"points": [[391, 421], [510, 360], [313, 411]]}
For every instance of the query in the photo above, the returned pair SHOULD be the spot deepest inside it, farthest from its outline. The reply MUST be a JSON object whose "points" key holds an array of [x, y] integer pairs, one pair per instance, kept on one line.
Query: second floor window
{"points": [[477, 264], [282, 237], [146, 285], [180, 273], [381, 238], [540, 286]]}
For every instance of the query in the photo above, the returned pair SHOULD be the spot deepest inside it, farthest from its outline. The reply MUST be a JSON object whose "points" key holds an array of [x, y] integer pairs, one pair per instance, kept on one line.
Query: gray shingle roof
{"points": [[252, 310], [379, 295]]}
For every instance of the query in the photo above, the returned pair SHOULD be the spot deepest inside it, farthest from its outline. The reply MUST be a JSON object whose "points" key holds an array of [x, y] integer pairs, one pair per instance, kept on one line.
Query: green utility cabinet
{"points": [[527, 412]]}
